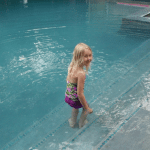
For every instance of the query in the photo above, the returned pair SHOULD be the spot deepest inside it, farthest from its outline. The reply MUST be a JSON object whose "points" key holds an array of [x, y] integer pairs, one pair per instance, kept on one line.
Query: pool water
{"points": [[36, 45]]}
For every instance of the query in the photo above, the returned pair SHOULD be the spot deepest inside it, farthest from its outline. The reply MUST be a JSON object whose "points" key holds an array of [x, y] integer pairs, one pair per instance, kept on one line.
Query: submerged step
{"points": [[134, 134]]}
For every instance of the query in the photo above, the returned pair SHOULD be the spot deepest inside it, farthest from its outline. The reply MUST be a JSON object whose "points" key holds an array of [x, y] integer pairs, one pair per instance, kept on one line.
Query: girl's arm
{"points": [[80, 87]]}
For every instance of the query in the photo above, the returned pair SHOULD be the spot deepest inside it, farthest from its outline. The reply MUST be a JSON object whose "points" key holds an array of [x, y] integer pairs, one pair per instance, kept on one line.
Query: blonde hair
{"points": [[77, 60]]}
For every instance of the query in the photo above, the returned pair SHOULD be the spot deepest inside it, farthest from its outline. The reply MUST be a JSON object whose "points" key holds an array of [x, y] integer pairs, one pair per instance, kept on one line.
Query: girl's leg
{"points": [[73, 119], [83, 119]]}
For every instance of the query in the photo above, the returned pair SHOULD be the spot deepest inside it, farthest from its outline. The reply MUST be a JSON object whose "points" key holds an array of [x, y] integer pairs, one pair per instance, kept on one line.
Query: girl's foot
{"points": [[85, 122], [72, 124]]}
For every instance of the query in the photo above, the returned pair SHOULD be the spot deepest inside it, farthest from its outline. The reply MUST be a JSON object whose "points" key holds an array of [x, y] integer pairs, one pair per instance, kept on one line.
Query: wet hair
{"points": [[78, 54]]}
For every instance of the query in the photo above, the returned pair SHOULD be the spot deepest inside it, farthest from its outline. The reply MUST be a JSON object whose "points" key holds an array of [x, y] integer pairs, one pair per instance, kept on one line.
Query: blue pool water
{"points": [[36, 44]]}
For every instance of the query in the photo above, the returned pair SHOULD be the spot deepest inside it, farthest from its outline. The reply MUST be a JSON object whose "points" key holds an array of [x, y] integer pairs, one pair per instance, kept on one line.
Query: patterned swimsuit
{"points": [[71, 96]]}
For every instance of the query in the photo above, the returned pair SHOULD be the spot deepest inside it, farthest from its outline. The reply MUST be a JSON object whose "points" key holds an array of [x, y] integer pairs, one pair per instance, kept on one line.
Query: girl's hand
{"points": [[89, 110]]}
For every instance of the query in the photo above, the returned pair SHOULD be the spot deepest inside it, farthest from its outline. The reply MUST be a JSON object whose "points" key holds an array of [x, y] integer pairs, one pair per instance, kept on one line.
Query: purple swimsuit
{"points": [[71, 96]]}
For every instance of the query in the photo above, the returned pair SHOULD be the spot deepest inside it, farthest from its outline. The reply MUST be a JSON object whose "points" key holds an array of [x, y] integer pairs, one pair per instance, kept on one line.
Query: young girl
{"points": [[74, 96]]}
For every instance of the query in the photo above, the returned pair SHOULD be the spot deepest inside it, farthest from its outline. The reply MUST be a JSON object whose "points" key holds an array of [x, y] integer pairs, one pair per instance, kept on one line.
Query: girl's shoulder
{"points": [[81, 73], [74, 75]]}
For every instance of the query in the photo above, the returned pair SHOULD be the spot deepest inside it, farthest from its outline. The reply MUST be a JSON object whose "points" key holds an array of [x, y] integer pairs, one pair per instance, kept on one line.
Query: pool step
{"points": [[52, 130]]}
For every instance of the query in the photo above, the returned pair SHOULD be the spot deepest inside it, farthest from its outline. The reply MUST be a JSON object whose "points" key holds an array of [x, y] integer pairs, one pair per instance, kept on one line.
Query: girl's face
{"points": [[87, 57]]}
